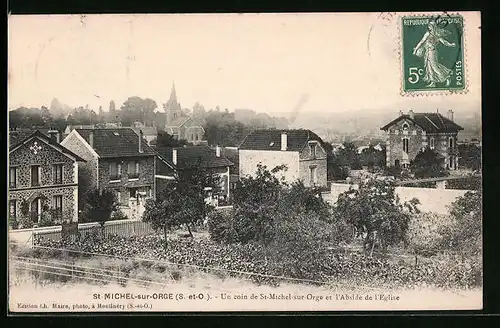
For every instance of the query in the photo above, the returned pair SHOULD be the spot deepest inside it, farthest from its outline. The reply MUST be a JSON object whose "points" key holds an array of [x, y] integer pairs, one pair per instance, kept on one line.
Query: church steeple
{"points": [[173, 94], [172, 107]]}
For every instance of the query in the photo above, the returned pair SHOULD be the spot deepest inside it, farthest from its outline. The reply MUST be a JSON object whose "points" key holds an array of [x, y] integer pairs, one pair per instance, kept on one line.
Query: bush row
{"points": [[348, 269]]}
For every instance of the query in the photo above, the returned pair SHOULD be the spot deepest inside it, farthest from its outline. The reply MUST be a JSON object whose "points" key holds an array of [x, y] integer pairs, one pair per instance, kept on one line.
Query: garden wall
{"points": [[431, 199]]}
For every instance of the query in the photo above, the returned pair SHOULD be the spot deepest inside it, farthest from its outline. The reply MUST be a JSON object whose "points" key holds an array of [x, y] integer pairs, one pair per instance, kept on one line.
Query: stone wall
{"points": [[431, 199], [146, 175]]}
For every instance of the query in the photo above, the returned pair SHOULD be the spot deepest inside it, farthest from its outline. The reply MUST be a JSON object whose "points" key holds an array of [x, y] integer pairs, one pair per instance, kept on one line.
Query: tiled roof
{"points": [[119, 142], [147, 131], [179, 121], [18, 137], [270, 139], [202, 156], [430, 122]]}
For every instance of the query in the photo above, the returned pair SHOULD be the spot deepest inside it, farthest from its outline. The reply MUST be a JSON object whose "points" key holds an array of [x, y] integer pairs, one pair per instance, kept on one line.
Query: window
{"points": [[432, 143], [12, 208], [196, 137], [313, 175], [405, 126], [133, 192], [118, 196], [451, 163], [115, 171], [57, 205], [58, 173], [13, 177], [405, 145], [36, 210], [451, 143], [133, 169], [35, 175]]}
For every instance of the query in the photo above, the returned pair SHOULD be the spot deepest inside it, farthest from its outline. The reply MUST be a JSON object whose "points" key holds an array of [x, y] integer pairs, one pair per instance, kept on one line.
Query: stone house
{"points": [[410, 133], [179, 124], [120, 160], [301, 150], [184, 158], [44, 174]]}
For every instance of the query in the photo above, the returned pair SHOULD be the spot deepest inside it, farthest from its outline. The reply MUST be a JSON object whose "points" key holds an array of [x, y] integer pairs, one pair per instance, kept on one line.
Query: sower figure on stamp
{"points": [[427, 48]]}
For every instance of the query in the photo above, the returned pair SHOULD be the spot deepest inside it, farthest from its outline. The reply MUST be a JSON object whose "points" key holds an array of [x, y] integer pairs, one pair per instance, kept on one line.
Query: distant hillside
{"points": [[331, 127]]}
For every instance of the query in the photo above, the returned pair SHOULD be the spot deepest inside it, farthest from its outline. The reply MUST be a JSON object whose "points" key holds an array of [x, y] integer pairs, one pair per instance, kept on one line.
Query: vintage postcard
{"points": [[245, 162]]}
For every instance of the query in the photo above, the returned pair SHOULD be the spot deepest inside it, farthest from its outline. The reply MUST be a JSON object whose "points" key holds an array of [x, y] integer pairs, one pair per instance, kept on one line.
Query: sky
{"points": [[265, 62]]}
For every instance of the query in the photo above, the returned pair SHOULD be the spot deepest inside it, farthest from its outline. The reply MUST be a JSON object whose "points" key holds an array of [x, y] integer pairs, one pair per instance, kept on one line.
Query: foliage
{"points": [[470, 157], [424, 233], [165, 140], [426, 164], [467, 183], [99, 206], [335, 170], [181, 202], [376, 212], [344, 268], [137, 109], [348, 156], [118, 215], [465, 236], [373, 158], [13, 222], [261, 205], [84, 184]]}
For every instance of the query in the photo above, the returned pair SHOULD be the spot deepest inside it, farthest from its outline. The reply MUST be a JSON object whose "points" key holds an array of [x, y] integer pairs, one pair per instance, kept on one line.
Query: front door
{"points": [[36, 209]]}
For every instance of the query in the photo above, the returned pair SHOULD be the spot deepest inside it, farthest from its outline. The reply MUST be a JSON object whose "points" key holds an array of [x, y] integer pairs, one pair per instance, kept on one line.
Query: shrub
{"points": [[13, 222], [46, 220], [424, 233], [119, 215], [220, 226]]}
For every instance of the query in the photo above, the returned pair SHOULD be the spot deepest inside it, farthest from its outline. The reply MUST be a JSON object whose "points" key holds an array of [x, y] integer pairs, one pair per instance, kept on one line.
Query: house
{"points": [[43, 174], [412, 132], [120, 160], [179, 124], [150, 133], [184, 158], [301, 150]]}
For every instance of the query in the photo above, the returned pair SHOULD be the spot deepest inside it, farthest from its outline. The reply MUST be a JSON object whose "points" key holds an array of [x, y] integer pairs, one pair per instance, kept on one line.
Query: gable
{"points": [[429, 122], [271, 140], [35, 150]]}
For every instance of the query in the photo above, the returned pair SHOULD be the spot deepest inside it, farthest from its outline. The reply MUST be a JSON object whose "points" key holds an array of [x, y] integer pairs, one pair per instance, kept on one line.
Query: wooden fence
{"points": [[123, 229]]}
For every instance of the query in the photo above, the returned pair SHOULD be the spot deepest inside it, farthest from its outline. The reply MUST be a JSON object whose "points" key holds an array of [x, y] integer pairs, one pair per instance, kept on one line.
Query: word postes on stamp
{"points": [[432, 54]]}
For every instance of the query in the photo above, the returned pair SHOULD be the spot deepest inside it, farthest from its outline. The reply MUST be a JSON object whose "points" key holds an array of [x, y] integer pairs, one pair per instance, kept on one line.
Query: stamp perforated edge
{"points": [[431, 93]]}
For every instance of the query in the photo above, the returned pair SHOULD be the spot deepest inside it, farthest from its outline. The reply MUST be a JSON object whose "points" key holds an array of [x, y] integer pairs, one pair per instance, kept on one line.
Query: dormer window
{"points": [[432, 143], [406, 126]]}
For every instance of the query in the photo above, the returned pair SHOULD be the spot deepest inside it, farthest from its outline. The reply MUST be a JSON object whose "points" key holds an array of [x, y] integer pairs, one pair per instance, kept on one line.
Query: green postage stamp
{"points": [[432, 54]]}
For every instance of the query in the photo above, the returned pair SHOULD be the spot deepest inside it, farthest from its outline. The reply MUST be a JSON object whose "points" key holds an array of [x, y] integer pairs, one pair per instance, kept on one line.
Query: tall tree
{"points": [[112, 107], [138, 109]]}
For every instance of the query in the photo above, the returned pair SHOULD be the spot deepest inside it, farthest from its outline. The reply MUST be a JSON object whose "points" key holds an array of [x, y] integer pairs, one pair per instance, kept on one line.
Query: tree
{"points": [[100, 204], [138, 109], [470, 157], [375, 211], [372, 158], [348, 156], [466, 234], [165, 140], [112, 106], [427, 164], [182, 202], [335, 170]]}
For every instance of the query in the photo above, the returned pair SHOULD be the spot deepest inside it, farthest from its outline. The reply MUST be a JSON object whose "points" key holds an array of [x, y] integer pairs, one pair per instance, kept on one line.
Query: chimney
{"points": [[54, 135], [141, 136], [284, 141], [217, 151], [450, 115], [91, 139], [411, 114], [400, 113]]}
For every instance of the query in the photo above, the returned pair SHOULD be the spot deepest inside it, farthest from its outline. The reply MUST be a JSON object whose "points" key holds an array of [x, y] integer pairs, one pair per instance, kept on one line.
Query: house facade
{"points": [[184, 158], [181, 125], [410, 133], [301, 151], [117, 160], [43, 176]]}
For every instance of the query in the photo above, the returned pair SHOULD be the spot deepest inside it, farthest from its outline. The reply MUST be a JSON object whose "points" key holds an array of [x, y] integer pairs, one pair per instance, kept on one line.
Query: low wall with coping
{"points": [[431, 199]]}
